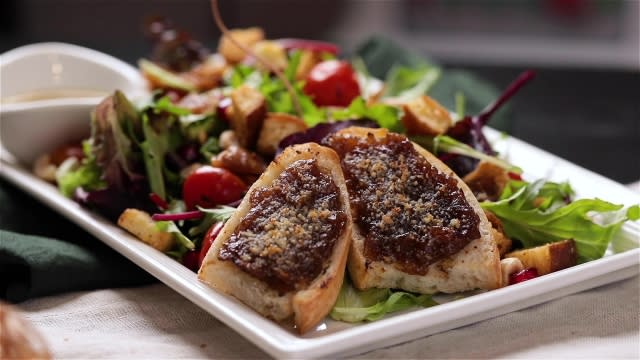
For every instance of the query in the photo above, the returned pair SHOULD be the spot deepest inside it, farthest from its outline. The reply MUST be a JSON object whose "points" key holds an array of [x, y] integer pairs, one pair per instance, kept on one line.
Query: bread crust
{"points": [[476, 266], [307, 306]]}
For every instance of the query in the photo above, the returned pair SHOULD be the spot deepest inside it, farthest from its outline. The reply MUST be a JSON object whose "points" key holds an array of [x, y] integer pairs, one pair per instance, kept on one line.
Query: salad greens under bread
{"points": [[172, 170]]}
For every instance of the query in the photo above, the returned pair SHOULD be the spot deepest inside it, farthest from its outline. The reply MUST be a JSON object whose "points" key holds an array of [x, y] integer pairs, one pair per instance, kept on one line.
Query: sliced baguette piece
{"points": [[309, 304], [475, 266], [549, 257]]}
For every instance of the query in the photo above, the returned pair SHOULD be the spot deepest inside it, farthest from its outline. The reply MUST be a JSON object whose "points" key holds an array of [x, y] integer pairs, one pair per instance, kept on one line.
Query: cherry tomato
{"points": [[209, 238], [332, 83], [209, 186]]}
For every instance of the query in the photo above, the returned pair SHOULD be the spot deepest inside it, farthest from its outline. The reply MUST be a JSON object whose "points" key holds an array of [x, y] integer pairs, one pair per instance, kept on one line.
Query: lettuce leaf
{"points": [[354, 305], [88, 175], [385, 115], [405, 83], [154, 149], [277, 96], [541, 212]]}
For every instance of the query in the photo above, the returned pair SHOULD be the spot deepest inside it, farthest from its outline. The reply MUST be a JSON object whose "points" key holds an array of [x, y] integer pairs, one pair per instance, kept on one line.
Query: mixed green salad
{"points": [[172, 157]]}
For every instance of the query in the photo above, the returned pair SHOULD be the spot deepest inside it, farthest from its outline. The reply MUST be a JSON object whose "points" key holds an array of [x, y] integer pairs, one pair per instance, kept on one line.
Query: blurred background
{"points": [[584, 105]]}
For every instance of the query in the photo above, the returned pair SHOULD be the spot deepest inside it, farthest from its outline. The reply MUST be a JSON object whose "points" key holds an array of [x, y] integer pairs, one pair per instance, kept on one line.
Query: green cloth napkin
{"points": [[57, 256], [39, 264]]}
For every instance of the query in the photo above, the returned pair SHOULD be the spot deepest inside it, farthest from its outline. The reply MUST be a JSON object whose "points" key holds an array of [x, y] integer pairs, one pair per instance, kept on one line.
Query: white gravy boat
{"points": [[47, 93]]}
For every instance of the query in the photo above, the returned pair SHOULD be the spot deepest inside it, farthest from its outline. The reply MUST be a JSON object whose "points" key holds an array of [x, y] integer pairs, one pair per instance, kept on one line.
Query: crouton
{"points": [[425, 116], [246, 37], [249, 110], [139, 223], [549, 257], [487, 181], [308, 59], [239, 161], [276, 127], [271, 52]]}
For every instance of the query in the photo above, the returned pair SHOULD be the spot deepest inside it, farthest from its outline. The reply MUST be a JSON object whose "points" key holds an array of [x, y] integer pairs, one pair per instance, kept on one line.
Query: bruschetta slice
{"points": [[284, 250], [417, 226]]}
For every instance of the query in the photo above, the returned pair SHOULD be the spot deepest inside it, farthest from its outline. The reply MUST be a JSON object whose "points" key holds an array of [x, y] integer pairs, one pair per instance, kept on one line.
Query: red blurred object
{"points": [[514, 176], [221, 109], [568, 8], [64, 152], [523, 275], [190, 260], [312, 45], [332, 83], [160, 202]]}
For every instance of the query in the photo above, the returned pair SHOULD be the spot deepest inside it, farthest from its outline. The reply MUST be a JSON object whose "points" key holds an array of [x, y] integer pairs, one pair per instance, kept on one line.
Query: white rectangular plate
{"points": [[333, 338]]}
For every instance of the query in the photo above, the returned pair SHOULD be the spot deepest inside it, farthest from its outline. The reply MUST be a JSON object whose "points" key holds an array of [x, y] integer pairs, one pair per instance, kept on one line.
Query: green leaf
{"points": [[182, 241], [210, 148], [406, 83], [276, 94], [369, 85], [460, 106], [292, 65], [385, 115], [88, 175], [444, 143], [164, 104], [212, 216], [355, 305], [154, 149], [537, 214], [166, 78]]}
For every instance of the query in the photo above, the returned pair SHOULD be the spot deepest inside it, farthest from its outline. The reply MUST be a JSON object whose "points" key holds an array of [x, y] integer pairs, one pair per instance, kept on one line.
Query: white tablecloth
{"points": [[156, 322]]}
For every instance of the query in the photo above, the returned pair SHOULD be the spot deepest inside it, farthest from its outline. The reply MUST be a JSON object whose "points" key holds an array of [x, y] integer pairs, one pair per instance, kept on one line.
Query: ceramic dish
{"points": [[332, 338], [54, 87]]}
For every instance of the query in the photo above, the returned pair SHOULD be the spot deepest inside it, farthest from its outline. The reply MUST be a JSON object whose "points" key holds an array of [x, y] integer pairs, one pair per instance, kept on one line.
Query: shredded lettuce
{"points": [[355, 305], [541, 212], [165, 77]]}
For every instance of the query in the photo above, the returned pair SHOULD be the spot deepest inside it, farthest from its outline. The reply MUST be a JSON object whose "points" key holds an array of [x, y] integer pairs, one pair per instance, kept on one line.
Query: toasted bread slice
{"points": [[284, 250], [417, 226]]}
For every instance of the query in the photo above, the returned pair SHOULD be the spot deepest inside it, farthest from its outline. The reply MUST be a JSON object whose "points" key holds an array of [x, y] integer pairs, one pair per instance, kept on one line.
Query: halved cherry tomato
{"points": [[210, 186], [208, 239], [332, 83]]}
